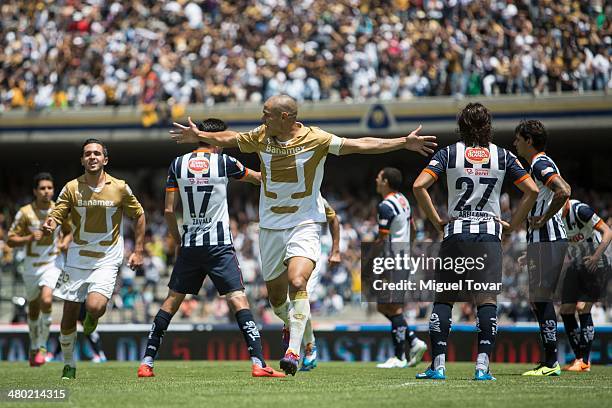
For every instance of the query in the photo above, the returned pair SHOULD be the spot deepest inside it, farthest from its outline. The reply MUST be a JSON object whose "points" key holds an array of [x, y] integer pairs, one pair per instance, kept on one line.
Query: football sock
{"points": [[412, 338], [282, 312], [299, 312], [587, 330], [94, 342], [158, 328], [67, 343], [45, 325], [308, 332], [34, 334], [247, 325], [486, 324], [398, 335], [547, 319], [573, 333], [439, 328]]}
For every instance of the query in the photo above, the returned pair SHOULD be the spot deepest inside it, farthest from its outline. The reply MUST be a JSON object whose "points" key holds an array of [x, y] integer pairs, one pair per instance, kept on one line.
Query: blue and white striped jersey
{"points": [[474, 178], [581, 222], [543, 170], [201, 179], [394, 216]]}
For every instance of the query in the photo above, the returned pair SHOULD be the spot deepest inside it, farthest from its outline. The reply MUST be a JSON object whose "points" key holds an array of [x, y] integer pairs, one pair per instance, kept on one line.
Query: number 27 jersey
{"points": [[474, 177]]}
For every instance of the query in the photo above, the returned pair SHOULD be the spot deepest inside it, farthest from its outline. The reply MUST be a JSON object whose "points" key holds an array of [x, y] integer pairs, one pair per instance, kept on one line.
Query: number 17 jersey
{"points": [[474, 177]]}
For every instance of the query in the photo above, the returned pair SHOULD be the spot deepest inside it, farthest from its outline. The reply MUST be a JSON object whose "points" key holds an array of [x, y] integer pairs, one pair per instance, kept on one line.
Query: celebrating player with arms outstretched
{"points": [[43, 262], [205, 247], [292, 158], [96, 203], [475, 170]]}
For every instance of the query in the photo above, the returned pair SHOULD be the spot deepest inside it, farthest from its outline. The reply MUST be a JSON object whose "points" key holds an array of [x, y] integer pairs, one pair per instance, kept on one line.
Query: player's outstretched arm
{"points": [[562, 192], [252, 176], [136, 259], [530, 195], [419, 188], [191, 134], [373, 145]]}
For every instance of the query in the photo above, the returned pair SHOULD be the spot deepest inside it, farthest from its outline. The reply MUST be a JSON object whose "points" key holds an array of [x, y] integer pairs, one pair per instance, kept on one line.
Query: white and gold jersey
{"points": [[291, 174], [39, 253], [97, 218]]}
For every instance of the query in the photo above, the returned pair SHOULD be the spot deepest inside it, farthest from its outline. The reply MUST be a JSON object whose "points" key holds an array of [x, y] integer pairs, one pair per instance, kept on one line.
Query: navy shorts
{"points": [[545, 263], [582, 285], [195, 263]]}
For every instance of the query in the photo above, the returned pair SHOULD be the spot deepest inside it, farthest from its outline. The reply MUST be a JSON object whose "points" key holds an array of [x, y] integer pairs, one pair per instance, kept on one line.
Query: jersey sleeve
{"points": [[332, 142], [330, 213], [171, 181], [19, 226], [62, 206], [385, 217], [233, 168], [248, 141], [514, 169], [438, 163], [587, 215], [130, 204], [544, 171]]}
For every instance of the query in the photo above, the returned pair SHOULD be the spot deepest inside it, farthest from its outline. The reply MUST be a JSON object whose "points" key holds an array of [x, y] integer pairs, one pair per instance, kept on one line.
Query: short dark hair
{"points": [[97, 141], [393, 177], [211, 125], [475, 125], [40, 177], [534, 130]]}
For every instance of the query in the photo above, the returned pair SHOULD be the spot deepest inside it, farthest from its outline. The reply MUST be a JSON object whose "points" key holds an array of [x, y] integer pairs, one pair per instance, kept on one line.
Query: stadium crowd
{"points": [[107, 53], [138, 294]]}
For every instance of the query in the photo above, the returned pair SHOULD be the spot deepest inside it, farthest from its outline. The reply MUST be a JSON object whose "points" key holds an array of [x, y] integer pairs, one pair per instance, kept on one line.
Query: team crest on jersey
{"points": [[477, 155], [198, 165]]}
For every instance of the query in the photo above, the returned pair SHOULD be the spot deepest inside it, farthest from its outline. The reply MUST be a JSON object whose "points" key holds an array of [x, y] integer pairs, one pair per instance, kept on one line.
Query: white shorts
{"points": [[277, 246], [75, 283], [45, 275]]}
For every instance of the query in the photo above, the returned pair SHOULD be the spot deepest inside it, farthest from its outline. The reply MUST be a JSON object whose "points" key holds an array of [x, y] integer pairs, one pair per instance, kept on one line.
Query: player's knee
{"points": [[96, 310], [237, 300], [568, 308], [583, 307], [45, 303], [297, 283]]}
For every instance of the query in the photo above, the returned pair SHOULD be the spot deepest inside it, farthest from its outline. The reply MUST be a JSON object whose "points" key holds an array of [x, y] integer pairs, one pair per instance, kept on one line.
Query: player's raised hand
{"points": [[49, 226], [135, 260], [184, 134], [421, 144]]}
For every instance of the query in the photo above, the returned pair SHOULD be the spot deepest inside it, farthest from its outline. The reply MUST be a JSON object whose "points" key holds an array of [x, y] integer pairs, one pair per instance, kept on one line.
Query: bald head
{"points": [[283, 103]]}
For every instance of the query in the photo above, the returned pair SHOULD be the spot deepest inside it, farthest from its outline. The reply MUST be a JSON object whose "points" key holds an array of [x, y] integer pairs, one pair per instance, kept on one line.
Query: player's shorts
{"points": [[462, 246], [582, 285], [74, 284], [276, 247], [544, 264], [193, 264], [46, 275]]}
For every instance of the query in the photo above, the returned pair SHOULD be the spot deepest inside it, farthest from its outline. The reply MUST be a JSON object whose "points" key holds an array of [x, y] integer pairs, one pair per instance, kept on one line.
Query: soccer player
{"points": [[292, 158], [205, 247], [96, 203], [589, 237], [546, 236], [310, 349], [475, 171], [43, 262], [395, 226]]}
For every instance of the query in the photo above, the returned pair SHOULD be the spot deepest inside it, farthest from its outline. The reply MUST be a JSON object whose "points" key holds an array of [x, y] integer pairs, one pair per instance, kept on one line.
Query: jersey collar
{"points": [[535, 156], [202, 150], [390, 194]]}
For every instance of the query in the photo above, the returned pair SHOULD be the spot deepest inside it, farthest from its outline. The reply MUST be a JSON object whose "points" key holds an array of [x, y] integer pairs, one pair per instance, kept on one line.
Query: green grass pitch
{"points": [[229, 384]]}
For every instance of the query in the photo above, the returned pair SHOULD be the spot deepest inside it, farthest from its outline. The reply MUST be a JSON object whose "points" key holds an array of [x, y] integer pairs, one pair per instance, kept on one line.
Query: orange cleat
{"points": [[39, 358], [575, 365], [586, 367], [145, 371], [258, 371], [33, 360]]}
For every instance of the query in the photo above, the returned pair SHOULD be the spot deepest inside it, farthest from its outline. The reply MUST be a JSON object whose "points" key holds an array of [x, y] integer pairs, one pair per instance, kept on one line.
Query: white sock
{"points": [[440, 361], [308, 332], [34, 333], [299, 312], [482, 362], [45, 325], [282, 312], [67, 342]]}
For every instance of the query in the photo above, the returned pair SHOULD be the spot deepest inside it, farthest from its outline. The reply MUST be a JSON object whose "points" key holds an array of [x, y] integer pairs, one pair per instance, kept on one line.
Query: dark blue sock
{"points": [[158, 328], [398, 335], [247, 325]]}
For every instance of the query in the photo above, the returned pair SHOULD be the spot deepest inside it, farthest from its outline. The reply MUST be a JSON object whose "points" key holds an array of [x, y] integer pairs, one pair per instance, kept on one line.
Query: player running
{"points": [[589, 237], [96, 203], [395, 226], [546, 237], [205, 246], [43, 262], [475, 171], [292, 158]]}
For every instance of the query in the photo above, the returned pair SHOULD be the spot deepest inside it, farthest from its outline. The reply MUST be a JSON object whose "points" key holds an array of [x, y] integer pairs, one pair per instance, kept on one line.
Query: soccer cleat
{"points": [[586, 367], [99, 358], [575, 365], [39, 358], [285, 339], [33, 358], [69, 373], [416, 353], [89, 324], [258, 371], [310, 357], [145, 370], [482, 375], [431, 374], [289, 363], [543, 371], [393, 362]]}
